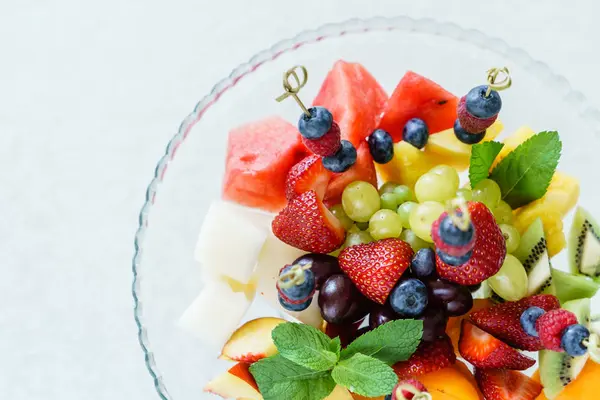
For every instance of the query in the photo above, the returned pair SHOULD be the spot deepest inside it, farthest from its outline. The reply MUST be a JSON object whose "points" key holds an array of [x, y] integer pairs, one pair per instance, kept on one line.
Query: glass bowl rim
{"points": [[352, 26]]}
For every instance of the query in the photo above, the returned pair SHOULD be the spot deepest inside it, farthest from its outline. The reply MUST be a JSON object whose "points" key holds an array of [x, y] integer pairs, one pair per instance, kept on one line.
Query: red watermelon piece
{"points": [[259, 156], [355, 99], [362, 170], [418, 97]]}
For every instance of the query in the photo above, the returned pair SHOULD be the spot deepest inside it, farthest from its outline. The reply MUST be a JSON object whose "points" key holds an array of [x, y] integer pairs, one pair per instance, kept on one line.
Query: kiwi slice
{"points": [[533, 253], [557, 370], [571, 287], [595, 324], [584, 245]]}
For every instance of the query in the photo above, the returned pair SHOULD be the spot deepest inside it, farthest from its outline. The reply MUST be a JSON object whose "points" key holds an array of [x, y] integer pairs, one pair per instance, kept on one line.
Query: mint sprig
{"points": [[383, 342], [525, 173], [305, 346], [365, 375], [310, 364], [482, 158]]}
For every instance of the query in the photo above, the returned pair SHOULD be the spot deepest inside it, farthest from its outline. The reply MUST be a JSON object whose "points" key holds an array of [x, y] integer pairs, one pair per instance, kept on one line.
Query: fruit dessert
{"points": [[407, 253]]}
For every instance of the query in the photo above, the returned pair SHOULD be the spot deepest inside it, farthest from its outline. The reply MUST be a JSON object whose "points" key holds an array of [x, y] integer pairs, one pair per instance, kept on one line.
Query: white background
{"points": [[90, 92]]}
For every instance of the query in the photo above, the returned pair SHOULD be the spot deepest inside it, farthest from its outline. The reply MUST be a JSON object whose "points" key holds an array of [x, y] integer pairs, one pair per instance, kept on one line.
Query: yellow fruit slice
{"points": [[451, 383], [513, 141], [408, 164], [451, 151], [553, 225]]}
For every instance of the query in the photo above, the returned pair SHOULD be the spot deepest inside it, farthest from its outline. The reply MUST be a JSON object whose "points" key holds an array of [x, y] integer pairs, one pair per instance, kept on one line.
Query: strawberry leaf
{"points": [[482, 158], [525, 174]]}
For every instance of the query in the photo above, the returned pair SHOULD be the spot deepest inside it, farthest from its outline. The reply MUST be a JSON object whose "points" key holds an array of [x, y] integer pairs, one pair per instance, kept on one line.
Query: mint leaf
{"points": [[365, 375], [336, 346], [482, 158], [279, 378], [391, 342], [525, 173], [305, 346]]}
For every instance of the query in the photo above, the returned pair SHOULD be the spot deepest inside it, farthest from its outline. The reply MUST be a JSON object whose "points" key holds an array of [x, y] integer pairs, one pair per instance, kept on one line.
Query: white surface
{"points": [[90, 92]]}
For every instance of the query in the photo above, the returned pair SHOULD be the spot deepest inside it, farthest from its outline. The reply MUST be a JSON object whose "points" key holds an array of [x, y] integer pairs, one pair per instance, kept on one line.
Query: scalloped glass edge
{"points": [[574, 98]]}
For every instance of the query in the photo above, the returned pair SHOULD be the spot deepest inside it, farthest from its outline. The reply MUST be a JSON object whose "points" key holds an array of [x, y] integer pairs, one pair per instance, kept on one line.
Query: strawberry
{"points": [[408, 389], [485, 351], [488, 253], [503, 320], [305, 223], [326, 145], [376, 267], [551, 325], [362, 170], [503, 384], [429, 357], [308, 174]]}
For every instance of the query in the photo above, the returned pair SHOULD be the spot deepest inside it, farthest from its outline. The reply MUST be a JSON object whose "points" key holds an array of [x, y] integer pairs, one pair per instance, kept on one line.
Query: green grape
{"points": [[404, 212], [510, 282], [503, 213], [340, 214], [511, 236], [446, 172], [423, 216], [413, 240], [435, 187], [404, 193], [360, 201], [385, 224], [488, 192], [465, 193], [354, 229], [358, 238], [363, 226], [388, 187], [389, 201]]}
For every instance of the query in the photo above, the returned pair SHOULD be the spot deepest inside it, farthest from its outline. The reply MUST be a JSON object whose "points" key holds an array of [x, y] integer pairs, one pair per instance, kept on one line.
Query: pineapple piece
{"points": [[408, 164], [513, 141], [451, 151], [553, 225]]}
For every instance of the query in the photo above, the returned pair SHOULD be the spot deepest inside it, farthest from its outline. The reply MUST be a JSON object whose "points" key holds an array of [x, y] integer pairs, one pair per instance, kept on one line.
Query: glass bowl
{"points": [[188, 177]]}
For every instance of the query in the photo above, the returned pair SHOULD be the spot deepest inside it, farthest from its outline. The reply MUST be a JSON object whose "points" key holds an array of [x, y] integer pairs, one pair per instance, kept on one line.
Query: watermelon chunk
{"points": [[362, 170], [259, 156], [418, 97], [355, 99]]}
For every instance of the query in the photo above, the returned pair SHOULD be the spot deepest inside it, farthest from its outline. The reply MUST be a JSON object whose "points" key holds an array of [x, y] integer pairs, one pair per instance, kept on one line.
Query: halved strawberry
{"points": [[308, 174], [362, 170], [503, 320], [503, 384], [305, 223], [376, 267], [485, 351], [429, 357], [488, 253]]}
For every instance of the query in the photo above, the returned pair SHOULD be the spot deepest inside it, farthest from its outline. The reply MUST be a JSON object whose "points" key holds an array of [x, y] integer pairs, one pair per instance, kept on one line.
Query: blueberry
{"points": [[423, 263], [529, 318], [467, 137], [302, 291], [480, 106], [452, 235], [381, 146], [317, 125], [343, 159], [409, 298], [295, 307], [453, 260], [572, 340], [416, 133]]}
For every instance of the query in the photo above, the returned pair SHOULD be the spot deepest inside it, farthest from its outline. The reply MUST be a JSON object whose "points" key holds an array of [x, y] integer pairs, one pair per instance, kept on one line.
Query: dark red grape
{"points": [[361, 332], [442, 291], [323, 266], [474, 288], [346, 332], [462, 304], [381, 315], [340, 301], [434, 323]]}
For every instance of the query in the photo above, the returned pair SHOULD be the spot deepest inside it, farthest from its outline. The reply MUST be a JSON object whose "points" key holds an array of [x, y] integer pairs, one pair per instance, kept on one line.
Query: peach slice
{"points": [[237, 383], [452, 383], [339, 393], [251, 341]]}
